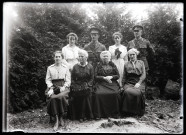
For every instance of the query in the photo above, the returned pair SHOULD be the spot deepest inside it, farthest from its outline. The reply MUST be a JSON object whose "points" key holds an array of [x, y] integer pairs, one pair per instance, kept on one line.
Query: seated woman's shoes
{"points": [[97, 118], [80, 120], [84, 119], [56, 126], [62, 122]]}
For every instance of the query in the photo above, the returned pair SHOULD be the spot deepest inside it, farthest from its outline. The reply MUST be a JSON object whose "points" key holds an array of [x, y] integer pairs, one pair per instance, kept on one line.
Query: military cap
{"points": [[137, 26], [94, 28]]}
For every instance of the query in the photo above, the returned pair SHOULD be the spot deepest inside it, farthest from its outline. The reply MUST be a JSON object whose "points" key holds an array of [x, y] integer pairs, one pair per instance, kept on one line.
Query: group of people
{"points": [[94, 83]]}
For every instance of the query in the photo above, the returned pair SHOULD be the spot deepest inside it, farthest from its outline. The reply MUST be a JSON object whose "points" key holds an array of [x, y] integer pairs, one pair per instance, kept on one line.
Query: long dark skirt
{"points": [[58, 104], [81, 107], [133, 100], [106, 100]]}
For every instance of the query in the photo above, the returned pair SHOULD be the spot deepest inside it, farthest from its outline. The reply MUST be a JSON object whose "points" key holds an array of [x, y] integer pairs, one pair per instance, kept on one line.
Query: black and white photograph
{"points": [[112, 67]]}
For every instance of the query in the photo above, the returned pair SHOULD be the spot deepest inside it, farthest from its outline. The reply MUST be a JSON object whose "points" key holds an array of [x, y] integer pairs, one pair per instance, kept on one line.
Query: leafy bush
{"points": [[42, 29]]}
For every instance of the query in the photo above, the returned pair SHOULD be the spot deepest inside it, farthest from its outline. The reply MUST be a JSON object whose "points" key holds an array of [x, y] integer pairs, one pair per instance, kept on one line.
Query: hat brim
{"points": [[91, 29], [138, 26]]}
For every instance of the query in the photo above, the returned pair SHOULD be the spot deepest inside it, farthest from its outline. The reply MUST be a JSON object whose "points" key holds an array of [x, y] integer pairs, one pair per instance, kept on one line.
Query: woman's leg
{"points": [[56, 123], [62, 122]]}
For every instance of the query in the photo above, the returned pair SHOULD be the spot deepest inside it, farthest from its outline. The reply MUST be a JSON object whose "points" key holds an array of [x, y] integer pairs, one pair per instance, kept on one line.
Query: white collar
{"points": [[71, 46], [133, 61], [82, 65]]}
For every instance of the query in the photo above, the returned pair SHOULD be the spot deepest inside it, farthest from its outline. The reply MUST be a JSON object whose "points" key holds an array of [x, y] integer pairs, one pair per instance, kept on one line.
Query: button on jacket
{"points": [[60, 73]]}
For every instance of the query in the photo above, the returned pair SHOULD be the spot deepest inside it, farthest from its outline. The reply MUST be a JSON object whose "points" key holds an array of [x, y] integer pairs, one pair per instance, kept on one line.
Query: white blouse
{"points": [[61, 72], [122, 49], [70, 52]]}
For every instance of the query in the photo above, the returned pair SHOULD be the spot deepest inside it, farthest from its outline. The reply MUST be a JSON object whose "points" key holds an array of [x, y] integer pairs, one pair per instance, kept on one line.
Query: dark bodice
{"points": [[82, 74], [133, 74], [132, 78], [103, 71]]}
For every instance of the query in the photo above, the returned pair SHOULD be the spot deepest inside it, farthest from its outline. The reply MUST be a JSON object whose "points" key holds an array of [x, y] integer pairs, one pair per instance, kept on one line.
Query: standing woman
{"points": [[58, 82], [118, 52], [133, 101], [70, 51], [82, 80]]}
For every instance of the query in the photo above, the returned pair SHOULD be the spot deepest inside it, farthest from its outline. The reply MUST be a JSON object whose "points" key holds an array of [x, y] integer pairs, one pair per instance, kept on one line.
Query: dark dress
{"points": [[106, 98], [80, 92], [57, 104], [133, 100]]}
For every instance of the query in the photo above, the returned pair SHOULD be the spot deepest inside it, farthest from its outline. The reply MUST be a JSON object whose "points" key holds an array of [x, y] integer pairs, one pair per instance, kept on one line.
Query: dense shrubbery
{"points": [[164, 30], [43, 28]]}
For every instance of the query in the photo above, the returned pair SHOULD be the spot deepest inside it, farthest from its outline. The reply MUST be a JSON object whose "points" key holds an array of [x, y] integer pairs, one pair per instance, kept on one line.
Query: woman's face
{"points": [[117, 39], [72, 40], [105, 58], [132, 56], [58, 58], [82, 58]]}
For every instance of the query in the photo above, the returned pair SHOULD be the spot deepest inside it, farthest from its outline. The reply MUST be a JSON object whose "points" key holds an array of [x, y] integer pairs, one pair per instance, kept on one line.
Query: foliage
{"points": [[112, 18], [42, 29], [164, 31]]}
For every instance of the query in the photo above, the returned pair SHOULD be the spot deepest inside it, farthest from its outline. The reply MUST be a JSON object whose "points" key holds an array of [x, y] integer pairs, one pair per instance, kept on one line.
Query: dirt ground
{"points": [[161, 116]]}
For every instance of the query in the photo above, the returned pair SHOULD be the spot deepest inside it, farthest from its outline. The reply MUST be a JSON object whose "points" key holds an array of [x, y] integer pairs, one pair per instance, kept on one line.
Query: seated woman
{"points": [[133, 101], [58, 82], [82, 77], [106, 97]]}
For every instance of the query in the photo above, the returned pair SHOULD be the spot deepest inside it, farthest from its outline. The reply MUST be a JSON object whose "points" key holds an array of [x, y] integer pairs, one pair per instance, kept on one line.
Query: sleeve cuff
{"points": [[50, 85]]}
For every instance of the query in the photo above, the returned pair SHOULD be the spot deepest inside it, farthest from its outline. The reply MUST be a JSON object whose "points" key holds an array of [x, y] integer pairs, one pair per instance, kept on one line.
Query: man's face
{"points": [[137, 32], [94, 35]]}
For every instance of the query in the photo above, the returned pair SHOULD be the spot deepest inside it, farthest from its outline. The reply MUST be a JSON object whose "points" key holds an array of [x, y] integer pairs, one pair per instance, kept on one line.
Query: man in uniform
{"points": [[142, 45], [94, 48]]}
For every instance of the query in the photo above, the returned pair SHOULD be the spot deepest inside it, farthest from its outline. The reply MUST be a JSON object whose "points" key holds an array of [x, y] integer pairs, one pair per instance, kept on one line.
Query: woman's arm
{"points": [[90, 82], [143, 75], [98, 77], [67, 78], [116, 72], [126, 58], [64, 52], [73, 77], [48, 78], [124, 76]]}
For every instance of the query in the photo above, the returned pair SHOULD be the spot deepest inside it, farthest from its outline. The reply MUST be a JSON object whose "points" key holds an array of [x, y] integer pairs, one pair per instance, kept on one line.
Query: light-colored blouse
{"points": [[135, 71], [70, 52], [61, 72], [122, 49]]}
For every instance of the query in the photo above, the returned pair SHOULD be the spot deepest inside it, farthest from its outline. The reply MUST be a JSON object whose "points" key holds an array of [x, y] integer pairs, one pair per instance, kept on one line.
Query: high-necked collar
{"points": [[82, 65], [61, 64], [96, 42], [74, 46], [117, 45], [138, 39], [133, 61]]}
